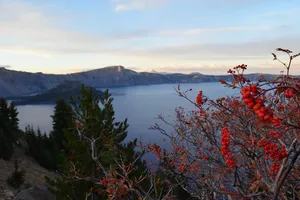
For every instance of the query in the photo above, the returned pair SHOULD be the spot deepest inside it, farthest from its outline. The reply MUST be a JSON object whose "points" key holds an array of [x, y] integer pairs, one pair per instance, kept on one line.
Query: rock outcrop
{"points": [[36, 192], [34, 173]]}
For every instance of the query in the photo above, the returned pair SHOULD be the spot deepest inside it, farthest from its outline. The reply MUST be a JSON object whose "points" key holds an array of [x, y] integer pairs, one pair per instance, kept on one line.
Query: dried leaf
{"points": [[280, 90], [140, 177], [255, 186], [114, 173], [264, 186], [223, 82], [234, 82]]}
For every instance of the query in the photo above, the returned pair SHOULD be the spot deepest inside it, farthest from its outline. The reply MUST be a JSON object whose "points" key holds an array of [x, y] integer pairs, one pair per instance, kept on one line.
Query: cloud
{"points": [[29, 29], [189, 69], [75, 70], [126, 5], [5, 66], [25, 27], [217, 30], [258, 49], [218, 69]]}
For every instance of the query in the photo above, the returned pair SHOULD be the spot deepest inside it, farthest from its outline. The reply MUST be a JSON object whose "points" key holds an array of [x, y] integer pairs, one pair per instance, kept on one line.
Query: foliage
{"points": [[99, 165], [238, 147], [62, 120], [17, 177], [245, 147], [47, 149], [94, 149], [9, 129], [41, 148], [13, 116]]}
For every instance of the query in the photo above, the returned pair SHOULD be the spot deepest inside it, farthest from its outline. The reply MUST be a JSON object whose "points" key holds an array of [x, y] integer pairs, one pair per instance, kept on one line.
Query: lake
{"points": [[140, 104]]}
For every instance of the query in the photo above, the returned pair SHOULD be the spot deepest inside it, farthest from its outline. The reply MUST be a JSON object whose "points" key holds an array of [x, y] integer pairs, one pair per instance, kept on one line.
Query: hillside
{"points": [[34, 173], [62, 91], [16, 83]]}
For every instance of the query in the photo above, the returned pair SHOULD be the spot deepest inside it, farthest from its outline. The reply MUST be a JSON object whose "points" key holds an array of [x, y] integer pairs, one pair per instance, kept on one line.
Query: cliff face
{"points": [[15, 83]]}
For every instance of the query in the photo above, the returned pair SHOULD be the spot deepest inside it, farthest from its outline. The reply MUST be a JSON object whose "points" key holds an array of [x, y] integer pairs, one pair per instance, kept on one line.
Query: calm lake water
{"points": [[140, 104]]}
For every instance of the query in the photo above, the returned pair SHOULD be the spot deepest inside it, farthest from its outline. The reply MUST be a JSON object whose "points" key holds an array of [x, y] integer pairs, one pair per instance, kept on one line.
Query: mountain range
{"points": [[16, 83]]}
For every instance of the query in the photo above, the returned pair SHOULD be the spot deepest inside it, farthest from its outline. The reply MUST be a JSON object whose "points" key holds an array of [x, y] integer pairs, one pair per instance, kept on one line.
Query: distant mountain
{"points": [[16, 83], [62, 91]]}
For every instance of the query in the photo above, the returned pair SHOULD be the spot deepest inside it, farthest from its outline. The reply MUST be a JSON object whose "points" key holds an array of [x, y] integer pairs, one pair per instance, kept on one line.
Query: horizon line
{"points": [[152, 71]]}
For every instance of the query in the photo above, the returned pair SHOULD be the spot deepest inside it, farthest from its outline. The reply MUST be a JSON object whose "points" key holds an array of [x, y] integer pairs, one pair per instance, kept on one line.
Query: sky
{"points": [[206, 36]]}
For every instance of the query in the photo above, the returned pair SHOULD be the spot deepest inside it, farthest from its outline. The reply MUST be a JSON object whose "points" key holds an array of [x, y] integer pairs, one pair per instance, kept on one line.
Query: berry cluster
{"points": [[275, 167], [275, 134], [171, 163], [157, 151], [252, 141], [181, 167], [104, 181], [251, 98], [199, 98], [276, 122], [226, 153], [289, 93], [273, 152]]}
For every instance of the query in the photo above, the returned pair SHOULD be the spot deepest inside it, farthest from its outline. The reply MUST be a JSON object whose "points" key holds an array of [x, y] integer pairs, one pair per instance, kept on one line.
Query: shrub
{"points": [[245, 146], [17, 177]]}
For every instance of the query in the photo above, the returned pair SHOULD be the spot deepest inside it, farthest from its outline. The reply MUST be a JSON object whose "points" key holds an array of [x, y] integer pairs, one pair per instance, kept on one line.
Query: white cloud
{"points": [[216, 30], [253, 50], [28, 29], [124, 5], [5, 66]]}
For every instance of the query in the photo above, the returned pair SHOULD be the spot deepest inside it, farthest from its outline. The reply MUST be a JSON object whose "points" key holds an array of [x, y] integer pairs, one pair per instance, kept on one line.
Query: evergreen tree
{"points": [[13, 116], [41, 148], [17, 178], [95, 124], [61, 121], [6, 147], [47, 149], [7, 131]]}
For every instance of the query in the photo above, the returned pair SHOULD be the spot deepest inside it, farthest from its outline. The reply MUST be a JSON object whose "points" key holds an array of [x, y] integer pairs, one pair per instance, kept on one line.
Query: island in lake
{"points": [[63, 91]]}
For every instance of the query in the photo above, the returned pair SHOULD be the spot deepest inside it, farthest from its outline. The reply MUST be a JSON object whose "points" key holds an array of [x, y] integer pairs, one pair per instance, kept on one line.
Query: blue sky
{"points": [[206, 36]]}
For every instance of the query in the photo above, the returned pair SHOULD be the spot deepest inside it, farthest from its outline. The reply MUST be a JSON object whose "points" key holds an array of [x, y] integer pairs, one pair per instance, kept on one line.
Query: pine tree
{"points": [[61, 121], [96, 123], [7, 135], [41, 148], [17, 177], [6, 147], [13, 116], [47, 149]]}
